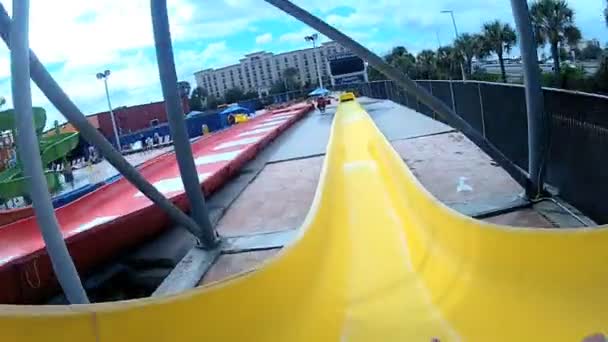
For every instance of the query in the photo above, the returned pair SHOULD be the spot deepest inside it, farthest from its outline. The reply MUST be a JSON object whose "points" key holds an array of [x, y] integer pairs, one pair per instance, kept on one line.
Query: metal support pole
{"points": [[62, 102], [403, 81], [175, 115], [114, 126], [27, 143], [464, 75], [538, 123], [314, 53]]}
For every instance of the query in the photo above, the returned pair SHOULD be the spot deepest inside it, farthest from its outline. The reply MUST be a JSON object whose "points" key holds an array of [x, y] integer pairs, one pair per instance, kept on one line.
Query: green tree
{"points": [[374, 75], [471, 46], [233, 95], [591, 51], [212, 102], [448, 63], [278, 87], [499, 38], [553, 23], [398, 52], [401, 59], [289, 76], [601, 75], [198, 99], [250, 95], [426, 63]]}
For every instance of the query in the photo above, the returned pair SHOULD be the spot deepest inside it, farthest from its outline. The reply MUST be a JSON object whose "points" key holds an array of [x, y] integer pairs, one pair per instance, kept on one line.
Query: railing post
{"points": [[538, 123], [27, 143], [385, 90], [418, 98], [483, 115], [175, 115], [453, 97], [433, 114]]}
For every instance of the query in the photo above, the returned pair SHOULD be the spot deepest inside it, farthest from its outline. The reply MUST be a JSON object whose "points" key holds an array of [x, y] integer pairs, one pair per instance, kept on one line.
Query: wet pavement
{"points": [[309, 137], [399, 122]]}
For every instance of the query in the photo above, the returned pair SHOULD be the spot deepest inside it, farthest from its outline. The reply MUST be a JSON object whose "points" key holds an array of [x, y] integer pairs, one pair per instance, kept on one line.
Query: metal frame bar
{"points": [[175, 115], [483, 114], [405, 82], [538, 124], [70, 111], [453, 96], [29, 152]]}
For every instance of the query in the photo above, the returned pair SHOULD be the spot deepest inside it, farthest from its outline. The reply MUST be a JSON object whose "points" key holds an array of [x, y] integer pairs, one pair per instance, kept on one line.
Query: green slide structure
{"points": [[55, 147]]}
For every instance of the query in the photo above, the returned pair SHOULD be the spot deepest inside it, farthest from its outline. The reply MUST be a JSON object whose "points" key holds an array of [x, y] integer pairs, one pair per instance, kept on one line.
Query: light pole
{"points": [[313, 38], [104, 76], [464, 76]]}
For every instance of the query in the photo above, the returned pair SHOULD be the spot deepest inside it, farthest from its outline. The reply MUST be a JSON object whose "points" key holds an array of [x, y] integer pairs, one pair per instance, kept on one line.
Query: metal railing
{"points": [[578, 134]]}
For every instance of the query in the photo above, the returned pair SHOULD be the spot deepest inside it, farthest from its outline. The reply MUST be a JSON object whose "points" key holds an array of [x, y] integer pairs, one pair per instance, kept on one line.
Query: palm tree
{"points": [[198, 98], [470, 46], [397, 53], [403, 60], [499, 38], [606, 13], [553, 23], [426, 62], [448, 62]]}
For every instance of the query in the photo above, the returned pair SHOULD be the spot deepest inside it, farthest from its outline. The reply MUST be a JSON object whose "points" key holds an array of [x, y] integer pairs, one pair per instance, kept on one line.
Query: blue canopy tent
{"points": [[236, 109], [319, 92]]}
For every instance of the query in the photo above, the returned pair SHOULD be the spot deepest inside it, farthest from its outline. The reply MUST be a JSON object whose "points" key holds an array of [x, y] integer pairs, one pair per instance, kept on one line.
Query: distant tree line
{"points": [[554, 26]]}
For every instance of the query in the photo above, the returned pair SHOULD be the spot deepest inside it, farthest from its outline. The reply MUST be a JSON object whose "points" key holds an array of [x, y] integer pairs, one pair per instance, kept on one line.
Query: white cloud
{"points": [[214, 55], [263, 38], [354, 20], [296, 36]]}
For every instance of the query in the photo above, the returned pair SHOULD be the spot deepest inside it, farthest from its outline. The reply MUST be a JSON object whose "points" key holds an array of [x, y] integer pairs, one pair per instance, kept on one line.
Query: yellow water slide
{"points": [[378, 259]]}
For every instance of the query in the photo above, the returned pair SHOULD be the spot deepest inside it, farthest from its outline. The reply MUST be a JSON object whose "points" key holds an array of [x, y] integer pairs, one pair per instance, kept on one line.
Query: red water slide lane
{"points": [[117, 216], [11, 215]]}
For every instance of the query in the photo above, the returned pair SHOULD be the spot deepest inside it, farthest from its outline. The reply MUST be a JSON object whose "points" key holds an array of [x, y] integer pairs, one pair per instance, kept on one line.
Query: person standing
{"points": [[321, 104], [68, 173]]}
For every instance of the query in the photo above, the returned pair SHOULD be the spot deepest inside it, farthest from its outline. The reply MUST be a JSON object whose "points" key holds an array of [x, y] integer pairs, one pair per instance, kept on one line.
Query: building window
{"points": [[154, 122]]}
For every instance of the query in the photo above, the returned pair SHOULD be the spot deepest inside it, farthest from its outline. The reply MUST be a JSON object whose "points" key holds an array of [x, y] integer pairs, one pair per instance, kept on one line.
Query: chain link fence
{"points": [[576, 163]]}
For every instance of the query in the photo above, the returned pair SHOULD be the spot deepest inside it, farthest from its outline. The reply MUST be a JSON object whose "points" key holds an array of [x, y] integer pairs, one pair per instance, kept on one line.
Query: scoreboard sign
{"points": [[359, 78]]}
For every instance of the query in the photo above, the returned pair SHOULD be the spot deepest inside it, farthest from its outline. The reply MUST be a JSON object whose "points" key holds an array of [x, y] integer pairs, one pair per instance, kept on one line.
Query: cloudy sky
{"points": [[75, 39]]}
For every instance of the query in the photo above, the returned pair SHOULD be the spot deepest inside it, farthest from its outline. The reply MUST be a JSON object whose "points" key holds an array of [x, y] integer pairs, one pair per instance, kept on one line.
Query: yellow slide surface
{"points": [[378, 259]]}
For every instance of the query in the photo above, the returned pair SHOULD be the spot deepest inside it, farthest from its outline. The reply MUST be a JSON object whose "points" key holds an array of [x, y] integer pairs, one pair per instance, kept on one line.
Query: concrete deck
{"points": [[450, 166]]}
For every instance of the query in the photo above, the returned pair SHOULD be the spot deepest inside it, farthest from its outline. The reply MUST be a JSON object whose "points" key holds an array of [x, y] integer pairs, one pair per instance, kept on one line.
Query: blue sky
{"points": [[76, 39]]}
